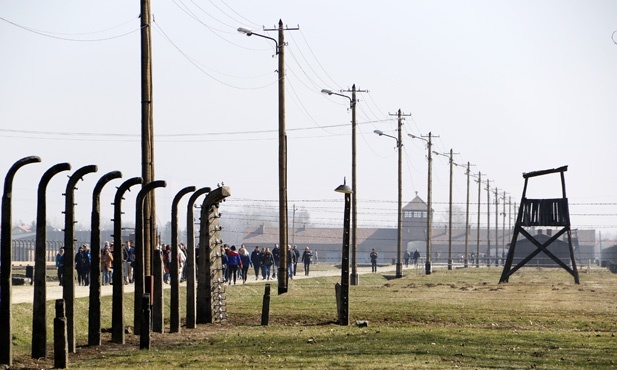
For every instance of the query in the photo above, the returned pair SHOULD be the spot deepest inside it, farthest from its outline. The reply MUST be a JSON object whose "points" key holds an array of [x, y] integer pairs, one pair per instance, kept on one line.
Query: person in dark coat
{"points": [[266, 263], [307, 259], [60, 265], [373, 256], [256, 261]]}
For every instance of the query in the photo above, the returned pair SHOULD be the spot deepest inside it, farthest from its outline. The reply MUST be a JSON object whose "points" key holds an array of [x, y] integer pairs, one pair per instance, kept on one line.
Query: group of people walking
{"points": [[83, 264], [265, 262], [236, 262]]}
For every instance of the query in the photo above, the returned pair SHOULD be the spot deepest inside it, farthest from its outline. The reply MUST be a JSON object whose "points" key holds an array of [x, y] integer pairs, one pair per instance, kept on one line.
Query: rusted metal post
{"points": [[68, 285], [94, 308], [191, 277], [6, 286], [174, 321], [139, 272], [39, 312], [117, 314]]}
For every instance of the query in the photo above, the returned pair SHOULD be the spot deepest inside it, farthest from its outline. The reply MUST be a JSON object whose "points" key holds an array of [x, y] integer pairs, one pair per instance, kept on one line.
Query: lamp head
{"points": [[245, 31], [326, 91], [345, 189], [378, 132]]}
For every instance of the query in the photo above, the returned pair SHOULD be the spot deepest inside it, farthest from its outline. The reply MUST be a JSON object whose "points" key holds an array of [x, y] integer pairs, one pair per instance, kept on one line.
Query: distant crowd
{"points": [[265, 262], [236, 263]]}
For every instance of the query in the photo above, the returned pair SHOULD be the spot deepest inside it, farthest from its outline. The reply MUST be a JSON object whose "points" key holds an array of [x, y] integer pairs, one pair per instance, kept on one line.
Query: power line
{"points": [[51, 34]]}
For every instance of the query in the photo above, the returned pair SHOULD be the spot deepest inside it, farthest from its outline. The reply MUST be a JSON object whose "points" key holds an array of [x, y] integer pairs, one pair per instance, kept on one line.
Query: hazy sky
{"points": [[511, 86]]}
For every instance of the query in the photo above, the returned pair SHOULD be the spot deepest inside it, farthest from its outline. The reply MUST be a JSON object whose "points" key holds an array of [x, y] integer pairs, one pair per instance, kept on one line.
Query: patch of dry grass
{"points": [[462, 318]]}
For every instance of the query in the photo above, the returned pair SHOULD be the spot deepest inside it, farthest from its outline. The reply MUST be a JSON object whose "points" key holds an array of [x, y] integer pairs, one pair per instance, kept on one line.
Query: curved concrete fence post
{"points": [[174, 267], [94, 307], [191, 292], [117, 314], [6, 258], [68, 285], [139, 251], [39, 314]]}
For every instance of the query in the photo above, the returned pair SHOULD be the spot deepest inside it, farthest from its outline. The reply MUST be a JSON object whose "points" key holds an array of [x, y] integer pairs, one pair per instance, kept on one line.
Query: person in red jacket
{"points": [[233, 262]]}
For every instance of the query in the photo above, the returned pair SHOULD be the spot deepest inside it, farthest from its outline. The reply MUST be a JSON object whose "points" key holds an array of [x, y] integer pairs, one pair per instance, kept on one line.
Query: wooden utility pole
{"points": [[429, 214], [488, 223], [479, 214], [503, 228], [283, 237], [467, 228], [283, 234], [147, 135], [496, 227], [399, 211]]}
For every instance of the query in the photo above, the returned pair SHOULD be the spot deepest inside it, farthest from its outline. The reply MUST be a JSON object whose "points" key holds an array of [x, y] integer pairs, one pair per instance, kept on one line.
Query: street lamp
{"points": [[280, 51], [343, 293], [355, 278], [429, 216], [399, 243]]}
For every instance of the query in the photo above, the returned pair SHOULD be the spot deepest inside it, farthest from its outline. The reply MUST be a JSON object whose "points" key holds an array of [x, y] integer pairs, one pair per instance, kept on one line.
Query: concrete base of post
{"points": [[449, 263], [354, 279], [399, 270], [427, 268]]}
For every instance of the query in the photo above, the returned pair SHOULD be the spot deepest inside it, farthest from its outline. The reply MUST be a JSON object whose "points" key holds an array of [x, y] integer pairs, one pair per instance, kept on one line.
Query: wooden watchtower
{"points": [[542, 212]]}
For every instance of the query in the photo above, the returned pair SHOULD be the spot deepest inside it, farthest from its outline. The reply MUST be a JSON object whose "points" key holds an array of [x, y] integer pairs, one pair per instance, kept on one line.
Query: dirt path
{"points": [[25, 293]]}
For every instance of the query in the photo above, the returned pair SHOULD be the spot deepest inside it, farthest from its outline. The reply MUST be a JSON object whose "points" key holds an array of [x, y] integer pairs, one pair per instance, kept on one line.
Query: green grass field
{"points": [[461, 318]]}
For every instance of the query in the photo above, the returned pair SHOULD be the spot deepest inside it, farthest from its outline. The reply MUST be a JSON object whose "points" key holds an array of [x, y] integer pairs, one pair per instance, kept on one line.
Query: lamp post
{"points": [[343, 294], [280, 51], [399, 242], [429, 215], [355, 278]]}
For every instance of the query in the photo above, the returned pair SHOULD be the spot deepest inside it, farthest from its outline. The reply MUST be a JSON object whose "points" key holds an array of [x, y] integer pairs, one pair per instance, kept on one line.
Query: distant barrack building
{"points": [[328, 241]]}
